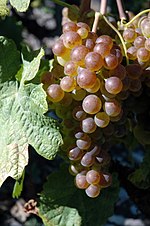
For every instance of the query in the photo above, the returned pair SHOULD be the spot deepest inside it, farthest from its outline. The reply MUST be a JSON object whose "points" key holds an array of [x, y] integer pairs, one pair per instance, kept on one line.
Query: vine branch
{"points": [[122, 14], [103, 7]]}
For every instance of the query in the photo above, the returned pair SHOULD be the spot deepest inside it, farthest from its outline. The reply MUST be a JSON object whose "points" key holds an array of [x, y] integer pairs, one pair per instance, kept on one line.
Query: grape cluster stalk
{"points": [[87, 87]]}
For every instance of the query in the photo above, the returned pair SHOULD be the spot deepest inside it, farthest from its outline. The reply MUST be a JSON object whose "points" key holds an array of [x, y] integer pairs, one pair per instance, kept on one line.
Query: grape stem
{"points": [[122, 14], [85, 6], [103, 7], [134, 18], [96, 21], [120, 36]]}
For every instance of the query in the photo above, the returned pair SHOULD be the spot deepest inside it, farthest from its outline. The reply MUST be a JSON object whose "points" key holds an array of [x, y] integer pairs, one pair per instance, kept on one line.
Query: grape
{"points": [[59, 49], [105, 94], [132, 53], [129, 35], [109, 130], [117, 52], [145, 27], [71, 39], [91, 104], [126, 83], [113, 85], [80, 181], [95, 150], [101, 119], [123, 95], [88, 125], [78, 113], [55, 93], [86, 79], [105, 180], [84, 142], [70, 68], [75, 154], [78, 54], [94, 88], [63, 59], [135, 85], [68, 83], [69, 26], [83, 32], [143, 54], [105, 39], [93, 191], [67, 100], [147, 44], [89, 43], [102, 49], [110, 62], [47, 79], [79, 95], [93, 61], [74, 169], [139, 41], [103, 158], [119, 71], [112, 108], [93, 177], [83, 25], [87, 160], [134, 71]]}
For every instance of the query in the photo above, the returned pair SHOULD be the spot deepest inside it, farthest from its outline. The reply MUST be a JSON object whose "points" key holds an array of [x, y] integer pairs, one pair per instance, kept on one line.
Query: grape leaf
{"points": [[18, 186], [20, 5], [4, 10], [9, 59], [141, 177], [60, 193], [143, 136]]}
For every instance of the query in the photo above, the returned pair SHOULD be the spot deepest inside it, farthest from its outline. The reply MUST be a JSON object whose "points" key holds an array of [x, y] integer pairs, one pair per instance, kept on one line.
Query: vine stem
{"points": [[134, 18], [103, 7], [120, 36], [64, 4], [85, 6], [95, 23], [122, 14]]}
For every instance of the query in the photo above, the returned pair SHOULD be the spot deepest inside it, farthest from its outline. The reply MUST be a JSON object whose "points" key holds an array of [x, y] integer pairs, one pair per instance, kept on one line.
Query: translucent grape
{"points": [[78, 113], [110, 61], [135, 85], [91, 104], [86, 79], [87, 160], [93, 191], [101, 119], [102, 48], [143, 54], [80, 181], [117, 52], [78, 94], [75, 168], [63, 59], [112, 108], [59, 49], [89, 43], [119, 71], [84, 142], [67, 100], [132, 53], [75, 154], [103, 158], [88, 125], [47, 79], [113, 85], [134, 71], [70, 68], [139, 42], [145, 27], [93, 61], [83, 25], [69, 26], [147, 44], [71, 39], [93, 177], [78, 54], [129, 35], [95, 88], [105, 39], [68, 83], [55, 93], [83, 32], [105, 180]]}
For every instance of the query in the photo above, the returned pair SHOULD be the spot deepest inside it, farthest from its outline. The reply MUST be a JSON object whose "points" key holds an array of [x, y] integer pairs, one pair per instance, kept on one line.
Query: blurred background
{"points": [[39, 27]]}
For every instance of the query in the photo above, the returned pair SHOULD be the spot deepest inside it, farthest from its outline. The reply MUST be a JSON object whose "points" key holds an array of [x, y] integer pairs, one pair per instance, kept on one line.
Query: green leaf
{"points": [[141, 177], [61, 196], [23, 123], [20, 5], [18, 186], [4, 10], [9, 59], [141, 135], [31, 68]]}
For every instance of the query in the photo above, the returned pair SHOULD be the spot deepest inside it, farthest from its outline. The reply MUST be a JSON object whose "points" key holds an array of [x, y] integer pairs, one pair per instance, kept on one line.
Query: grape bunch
{"points": [[86, 88]]}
